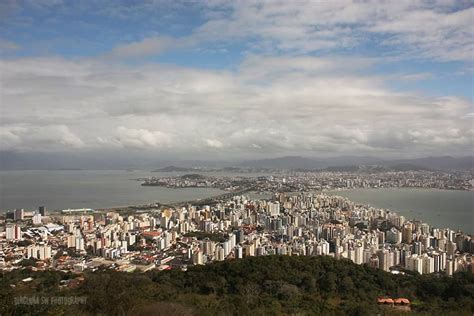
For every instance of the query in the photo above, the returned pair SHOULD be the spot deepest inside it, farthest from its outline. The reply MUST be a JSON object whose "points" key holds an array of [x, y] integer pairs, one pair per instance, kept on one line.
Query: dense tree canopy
{"points": [[258, 285]]}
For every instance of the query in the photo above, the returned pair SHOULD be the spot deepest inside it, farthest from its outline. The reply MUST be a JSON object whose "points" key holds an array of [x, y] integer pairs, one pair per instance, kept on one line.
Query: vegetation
{"points": [[270, 285], [202, 235], [193, 176], [31, 262], [24, 243]]}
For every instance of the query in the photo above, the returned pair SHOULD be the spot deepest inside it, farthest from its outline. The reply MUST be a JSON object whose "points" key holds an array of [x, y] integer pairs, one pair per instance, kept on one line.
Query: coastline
{"points": [[214, 199]]}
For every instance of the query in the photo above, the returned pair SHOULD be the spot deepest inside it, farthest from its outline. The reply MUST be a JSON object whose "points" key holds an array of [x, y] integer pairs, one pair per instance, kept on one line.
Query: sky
{"points": [[237, 79]]}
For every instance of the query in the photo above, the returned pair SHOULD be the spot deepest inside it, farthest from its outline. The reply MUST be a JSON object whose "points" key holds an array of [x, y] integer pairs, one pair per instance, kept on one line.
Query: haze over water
{"points": [[439, 208], [58, 189]]}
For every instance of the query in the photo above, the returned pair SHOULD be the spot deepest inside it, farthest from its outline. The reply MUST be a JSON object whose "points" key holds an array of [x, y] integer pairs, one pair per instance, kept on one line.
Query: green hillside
{"points": [[269, 285]]}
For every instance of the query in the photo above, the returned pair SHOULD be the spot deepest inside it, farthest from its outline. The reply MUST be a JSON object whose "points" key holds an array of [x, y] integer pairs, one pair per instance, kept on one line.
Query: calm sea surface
{"points": [[59, 189], [439, 208]]}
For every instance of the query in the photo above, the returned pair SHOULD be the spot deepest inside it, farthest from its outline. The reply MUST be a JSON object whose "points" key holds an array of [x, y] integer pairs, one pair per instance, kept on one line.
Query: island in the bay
{"points": [[347, 177]]}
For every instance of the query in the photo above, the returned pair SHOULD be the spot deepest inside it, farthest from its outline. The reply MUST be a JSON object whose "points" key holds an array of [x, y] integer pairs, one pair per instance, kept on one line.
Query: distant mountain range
{"points": [[348, 163], [443, 162], [174, 169], [56, 161]]}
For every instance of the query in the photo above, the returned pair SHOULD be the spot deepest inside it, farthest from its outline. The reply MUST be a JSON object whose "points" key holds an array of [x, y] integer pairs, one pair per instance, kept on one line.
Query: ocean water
{"points": [[439, 208], [61, 189]]}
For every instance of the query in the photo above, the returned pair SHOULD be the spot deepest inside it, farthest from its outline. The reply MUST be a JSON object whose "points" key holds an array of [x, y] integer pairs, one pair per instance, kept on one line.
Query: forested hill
{"points": [[259, 286]]}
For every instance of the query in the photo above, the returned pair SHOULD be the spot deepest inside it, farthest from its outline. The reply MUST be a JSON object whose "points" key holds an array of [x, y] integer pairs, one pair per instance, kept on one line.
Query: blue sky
{"points": [[153, 74]]}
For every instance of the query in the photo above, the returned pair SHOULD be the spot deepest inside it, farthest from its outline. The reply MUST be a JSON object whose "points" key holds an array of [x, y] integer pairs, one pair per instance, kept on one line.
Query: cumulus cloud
{"points": [[214, 143], [142, 138], [51, 137], [268, 105]]}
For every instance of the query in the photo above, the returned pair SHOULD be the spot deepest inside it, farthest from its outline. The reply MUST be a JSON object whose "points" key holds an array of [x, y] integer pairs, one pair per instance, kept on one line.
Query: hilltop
{"points": [[267, 285]]}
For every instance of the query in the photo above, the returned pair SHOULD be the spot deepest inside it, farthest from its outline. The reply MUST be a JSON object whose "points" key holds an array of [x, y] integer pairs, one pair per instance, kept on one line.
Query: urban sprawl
{"points": [[292, 220]]}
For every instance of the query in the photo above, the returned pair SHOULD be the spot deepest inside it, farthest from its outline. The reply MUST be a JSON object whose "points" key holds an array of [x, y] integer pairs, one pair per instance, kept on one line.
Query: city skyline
{"points": [[236, 157], [236, 80]]}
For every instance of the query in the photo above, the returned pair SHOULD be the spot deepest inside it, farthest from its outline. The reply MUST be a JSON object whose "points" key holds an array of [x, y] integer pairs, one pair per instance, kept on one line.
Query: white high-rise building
{"points": [[449, 267], [273, 208], [428, 264], [232, 240], [351, 254], [239, 254], [37, 219], [324, 247], [359, 254], [71, 241], [414, 263], [226, 247], [13, 232], [40, 252], [219, 254], [367, 255], [10, 232], [198, 257], [79, 244]]}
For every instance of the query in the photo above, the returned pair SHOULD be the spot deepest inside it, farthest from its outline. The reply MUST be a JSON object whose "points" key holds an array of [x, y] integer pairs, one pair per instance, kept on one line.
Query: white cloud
{"points": [[50, 137], [417, 76], [411, 29], [142, 138], [214, 143], [279, 99], [269, 105]]}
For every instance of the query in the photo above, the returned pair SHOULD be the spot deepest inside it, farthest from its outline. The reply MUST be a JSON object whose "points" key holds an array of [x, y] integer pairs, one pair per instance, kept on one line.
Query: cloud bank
{"points": [[270, 104], [303, 83]]}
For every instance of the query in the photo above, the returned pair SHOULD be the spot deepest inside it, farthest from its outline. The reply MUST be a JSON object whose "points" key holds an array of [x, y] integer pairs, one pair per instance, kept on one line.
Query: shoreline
{"points": [[149, 204], [210, 200], [213, 199]]}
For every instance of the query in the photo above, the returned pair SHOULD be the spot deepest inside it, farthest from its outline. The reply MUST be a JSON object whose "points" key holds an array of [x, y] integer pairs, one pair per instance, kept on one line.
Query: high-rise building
{"points": [[240, 236], [451, 248], [381, 237], [407, 236], [428, 264], [13, 232], [417, 248], [42, 210], [449, 267], [37, 219], [219, 254], [359, 254], [239, 254], [367, 255], [19, 214], [384, 263], [227, 247], [273, 208], [41, 252], [394, 236], [208, 247], [10, 232], [414, 263], [198, 257]]}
